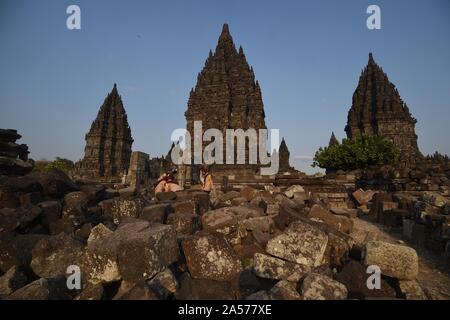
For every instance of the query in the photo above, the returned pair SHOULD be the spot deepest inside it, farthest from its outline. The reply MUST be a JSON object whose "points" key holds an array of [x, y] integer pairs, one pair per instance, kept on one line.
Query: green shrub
{"points": [[59, 163], [40, 165], [359, 153]]}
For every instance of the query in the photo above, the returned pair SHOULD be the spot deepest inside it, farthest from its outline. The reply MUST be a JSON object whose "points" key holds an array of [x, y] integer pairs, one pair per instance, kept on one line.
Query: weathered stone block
{"points": [[394, 260], [292, 190], [349, 213], [43, 289], [51, 212], [363, 197], [16, 250], [31, 198], [126, 208], [52, 256], [146, 252], [92, 292], [300, 243], [156, 213], [353, 275], [55, 183], [202, 289], [11, 281], [135, 251], [210, 256], [188, 207], [164, 284], [284, 290], [76, 198], [269, 267], [248, 193], [340, 223], [411, 290], [166, 196], [97, 232], [434, 199], [260, 295], [185, 223], [319, 287]]}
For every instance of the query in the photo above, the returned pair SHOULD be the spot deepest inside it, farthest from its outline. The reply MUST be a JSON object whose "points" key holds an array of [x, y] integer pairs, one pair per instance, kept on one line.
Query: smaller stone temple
{"points": [[333, 140], [378, 109], [108, 143], [284, 154]]}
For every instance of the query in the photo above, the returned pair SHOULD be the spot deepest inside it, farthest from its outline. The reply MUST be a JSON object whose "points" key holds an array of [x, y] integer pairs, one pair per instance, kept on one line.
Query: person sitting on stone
{"points": [[206, 179], [167, 182], [171, 183], [160, 184]]}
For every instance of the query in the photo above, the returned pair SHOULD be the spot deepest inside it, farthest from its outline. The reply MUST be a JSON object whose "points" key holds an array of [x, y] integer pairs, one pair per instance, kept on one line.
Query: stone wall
{"points": [[139, 171], [425, 177]]}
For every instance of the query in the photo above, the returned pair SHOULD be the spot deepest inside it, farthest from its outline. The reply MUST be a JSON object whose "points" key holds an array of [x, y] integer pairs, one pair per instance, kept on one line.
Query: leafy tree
{"points": [[60, 163], [360, 153]]}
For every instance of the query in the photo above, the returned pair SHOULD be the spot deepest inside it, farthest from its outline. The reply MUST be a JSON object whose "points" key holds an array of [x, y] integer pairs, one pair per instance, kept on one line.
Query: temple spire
{"points": [[225, 43], [114, 92], [371, 60], [284, 154], [333, 140]]}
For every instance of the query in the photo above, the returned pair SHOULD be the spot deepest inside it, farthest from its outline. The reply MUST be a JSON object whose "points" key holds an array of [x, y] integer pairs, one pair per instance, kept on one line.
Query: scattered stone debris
{"points": [[168, 248]]}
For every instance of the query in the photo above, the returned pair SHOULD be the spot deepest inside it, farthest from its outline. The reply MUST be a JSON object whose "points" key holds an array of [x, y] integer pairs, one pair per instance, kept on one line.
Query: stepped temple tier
{"points": [[108, 142], [377, 109]]}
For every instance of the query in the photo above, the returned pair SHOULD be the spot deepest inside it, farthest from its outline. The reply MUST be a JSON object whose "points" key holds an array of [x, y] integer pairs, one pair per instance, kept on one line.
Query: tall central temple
{"points": [[226, 96]]}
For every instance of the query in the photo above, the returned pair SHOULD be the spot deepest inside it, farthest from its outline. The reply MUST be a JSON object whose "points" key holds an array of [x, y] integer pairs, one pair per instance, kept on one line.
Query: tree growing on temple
{"points": [[359, 153]]}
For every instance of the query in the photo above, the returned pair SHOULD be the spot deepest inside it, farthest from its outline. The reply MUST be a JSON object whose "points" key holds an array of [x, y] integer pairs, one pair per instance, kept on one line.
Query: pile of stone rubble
{"points": [[423, 217], [242, 244]]}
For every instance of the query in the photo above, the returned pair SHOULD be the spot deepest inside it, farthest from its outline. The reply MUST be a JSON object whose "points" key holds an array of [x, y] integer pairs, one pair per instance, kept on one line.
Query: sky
{"points": [[307, 57]]}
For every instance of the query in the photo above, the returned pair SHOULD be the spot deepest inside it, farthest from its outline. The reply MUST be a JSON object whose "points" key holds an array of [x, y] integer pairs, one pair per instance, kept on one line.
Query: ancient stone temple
{"points": [[226, 96], [377, 108], [108, 142], [283, 153], [333, 140]]}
